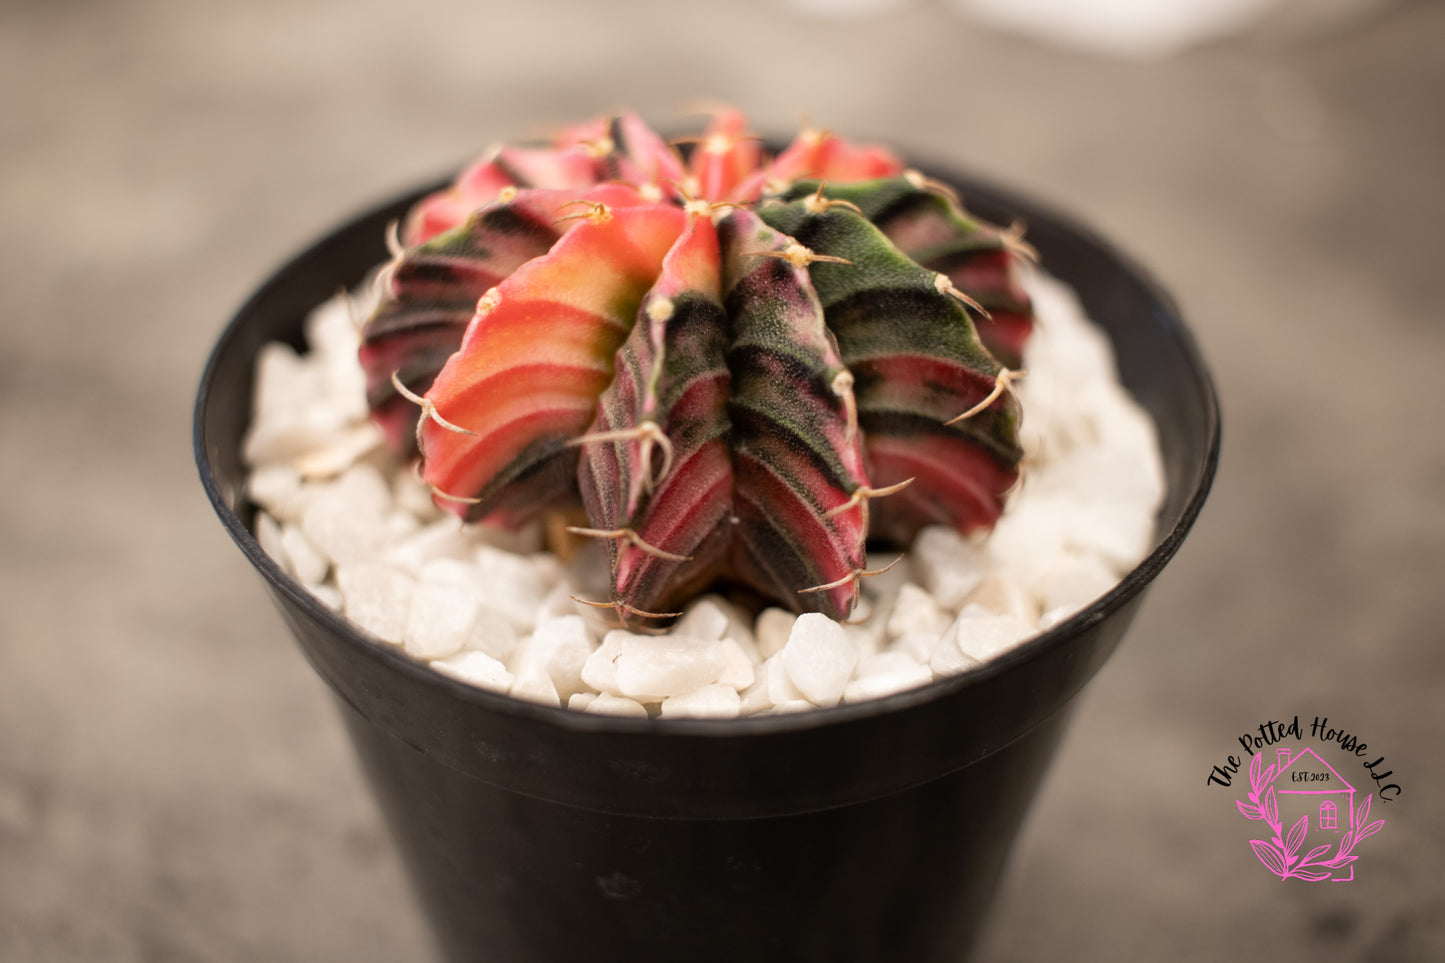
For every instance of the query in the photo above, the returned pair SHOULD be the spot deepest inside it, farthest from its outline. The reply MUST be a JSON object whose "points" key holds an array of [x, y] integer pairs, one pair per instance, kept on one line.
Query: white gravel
{"points": [[352, 524]]}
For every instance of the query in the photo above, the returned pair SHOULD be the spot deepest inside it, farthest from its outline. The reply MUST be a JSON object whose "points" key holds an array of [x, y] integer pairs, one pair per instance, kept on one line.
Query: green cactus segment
{"points": [[918, 364], [657, 482], [431, 293], [796, 450], [503, 415], [925, 223]]}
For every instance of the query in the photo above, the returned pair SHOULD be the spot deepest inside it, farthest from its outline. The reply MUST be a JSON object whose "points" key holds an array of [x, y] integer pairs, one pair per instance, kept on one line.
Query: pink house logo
{"points": [[1326, 823]]}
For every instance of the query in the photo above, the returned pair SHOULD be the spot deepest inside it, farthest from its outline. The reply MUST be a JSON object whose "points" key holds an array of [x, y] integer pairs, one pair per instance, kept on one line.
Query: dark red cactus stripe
{"points": [[533, 361], [991, 278], [796, 448], [917, 361], [657, 480], [953, 479]]}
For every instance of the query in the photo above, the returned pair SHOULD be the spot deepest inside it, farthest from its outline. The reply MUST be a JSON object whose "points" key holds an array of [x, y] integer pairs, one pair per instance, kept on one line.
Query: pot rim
{"points": [[571, 720]]}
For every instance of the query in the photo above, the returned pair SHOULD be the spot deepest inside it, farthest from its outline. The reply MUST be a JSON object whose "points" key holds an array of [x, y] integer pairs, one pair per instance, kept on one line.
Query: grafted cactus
{"points": [[727, 361]]}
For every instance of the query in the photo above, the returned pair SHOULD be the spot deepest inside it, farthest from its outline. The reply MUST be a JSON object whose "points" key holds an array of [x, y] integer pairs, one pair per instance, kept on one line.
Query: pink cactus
{"points": [[726, 361]]}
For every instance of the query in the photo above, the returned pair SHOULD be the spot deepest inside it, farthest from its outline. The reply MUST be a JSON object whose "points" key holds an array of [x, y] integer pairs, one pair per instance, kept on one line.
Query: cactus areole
{"points": [[741, 368]]}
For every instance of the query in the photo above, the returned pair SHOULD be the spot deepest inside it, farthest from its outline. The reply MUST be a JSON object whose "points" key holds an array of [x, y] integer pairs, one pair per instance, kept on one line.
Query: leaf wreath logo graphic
{"points": [[1280, 853]]}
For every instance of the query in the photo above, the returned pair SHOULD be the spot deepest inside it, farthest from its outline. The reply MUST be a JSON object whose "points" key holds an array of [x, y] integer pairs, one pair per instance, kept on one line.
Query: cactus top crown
{"points": [[740, 367]]}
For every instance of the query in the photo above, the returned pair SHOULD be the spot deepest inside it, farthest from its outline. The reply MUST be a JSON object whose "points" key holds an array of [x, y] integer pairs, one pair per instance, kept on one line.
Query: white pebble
{"points": [[1054, 616], [414, 495], [377, 597], [476, 668], [278, 489], [328, 595], [1073, 582], [740, 671], [715, 701], [442, 538], [284, 436], [948, 659], [288, 417], [581, 700], [779, 685], [884, 674], [285, 384], [1030, 535], [331, 329], [714, 617], [607, 704], [884, 663], [819, 658], [559, 602], [559, 647], [1003, 595], [918, 646], [755, 697], [869, 636], [916, 611], [947, 564], [457, 572], [346, 520], [398, 524], [535, 685], [268, 535], [600, 669], [704, 619], [516, 586], [306, 561], [787, 708], [340, 452], [981, 635], [1101, 475], [740, 628], [651, 668], [772, 629], [441, 618], [1118, 534], [493, 635]]}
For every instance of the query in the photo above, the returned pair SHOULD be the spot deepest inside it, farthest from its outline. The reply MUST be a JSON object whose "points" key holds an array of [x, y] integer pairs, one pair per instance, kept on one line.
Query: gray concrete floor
{"points": [[174, 783]]}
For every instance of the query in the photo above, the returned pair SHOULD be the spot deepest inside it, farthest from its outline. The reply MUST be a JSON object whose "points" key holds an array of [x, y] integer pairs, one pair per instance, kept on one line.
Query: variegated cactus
{"points": [[727, 360]]}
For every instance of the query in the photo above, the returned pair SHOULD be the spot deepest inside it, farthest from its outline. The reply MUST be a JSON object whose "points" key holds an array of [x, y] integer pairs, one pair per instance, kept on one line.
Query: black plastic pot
{"points": [[866, 832]]}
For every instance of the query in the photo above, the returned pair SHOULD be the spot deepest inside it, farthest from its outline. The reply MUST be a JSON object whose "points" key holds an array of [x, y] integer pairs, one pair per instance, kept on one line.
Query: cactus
{"points": [[726, 361]]}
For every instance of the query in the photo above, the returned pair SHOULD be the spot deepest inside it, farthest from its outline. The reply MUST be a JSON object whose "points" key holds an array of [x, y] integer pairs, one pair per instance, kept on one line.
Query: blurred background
{"points": [[174, 782]]}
